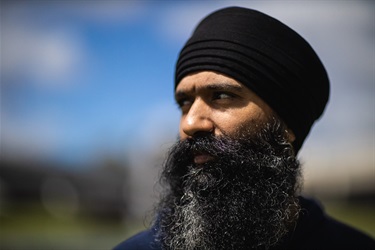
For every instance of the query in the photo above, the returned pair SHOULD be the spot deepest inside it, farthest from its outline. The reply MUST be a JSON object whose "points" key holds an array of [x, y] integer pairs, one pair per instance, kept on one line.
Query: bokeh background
{"points": [[87, 112]]}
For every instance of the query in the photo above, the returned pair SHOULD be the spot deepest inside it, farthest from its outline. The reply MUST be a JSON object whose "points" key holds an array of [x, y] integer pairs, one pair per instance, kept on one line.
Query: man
{"points": [[249, 89]]}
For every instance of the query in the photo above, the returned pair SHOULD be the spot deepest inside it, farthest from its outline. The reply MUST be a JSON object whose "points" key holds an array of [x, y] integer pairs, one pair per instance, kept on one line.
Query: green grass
{"points": [[358, 215], [30, 227]]}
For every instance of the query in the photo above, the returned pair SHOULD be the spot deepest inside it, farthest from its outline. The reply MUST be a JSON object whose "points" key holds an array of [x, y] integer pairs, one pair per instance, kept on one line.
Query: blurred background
{"points": [[87, 112]]}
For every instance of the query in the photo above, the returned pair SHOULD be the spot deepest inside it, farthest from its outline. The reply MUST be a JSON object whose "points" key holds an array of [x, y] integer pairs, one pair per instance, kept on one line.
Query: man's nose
{"points": [[197, 120]]}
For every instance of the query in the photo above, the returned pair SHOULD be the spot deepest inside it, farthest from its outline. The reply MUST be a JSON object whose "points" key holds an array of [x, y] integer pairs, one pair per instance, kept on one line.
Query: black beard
{"points": [[245, 198]]}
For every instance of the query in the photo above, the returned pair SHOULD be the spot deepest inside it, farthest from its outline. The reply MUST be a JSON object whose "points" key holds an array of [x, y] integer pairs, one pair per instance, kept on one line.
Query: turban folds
{"points": [[266, 56]]}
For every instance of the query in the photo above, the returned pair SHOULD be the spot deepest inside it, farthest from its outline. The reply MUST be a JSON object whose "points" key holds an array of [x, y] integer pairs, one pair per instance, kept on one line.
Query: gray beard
{"points": [[245, 200], [191, 229]]}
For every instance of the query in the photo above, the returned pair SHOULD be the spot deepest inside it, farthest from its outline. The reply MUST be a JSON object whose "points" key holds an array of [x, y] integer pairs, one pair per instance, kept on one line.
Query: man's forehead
{"points": [[208, 80]]}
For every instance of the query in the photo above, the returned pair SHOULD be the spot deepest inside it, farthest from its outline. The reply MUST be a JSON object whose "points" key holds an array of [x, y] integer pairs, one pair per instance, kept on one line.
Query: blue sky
{"points": [[111, 73], [84, 79]]}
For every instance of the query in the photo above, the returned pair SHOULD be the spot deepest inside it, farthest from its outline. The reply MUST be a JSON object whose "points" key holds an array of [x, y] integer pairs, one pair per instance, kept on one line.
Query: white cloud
{"points": [[52, 52], [43, 56], [107, 12], [156, 133], [177, 22], [159, 126]]}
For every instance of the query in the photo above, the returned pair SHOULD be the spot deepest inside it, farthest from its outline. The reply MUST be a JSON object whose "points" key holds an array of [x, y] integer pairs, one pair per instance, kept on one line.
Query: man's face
{"points": [[219, 105], [232, 178]]}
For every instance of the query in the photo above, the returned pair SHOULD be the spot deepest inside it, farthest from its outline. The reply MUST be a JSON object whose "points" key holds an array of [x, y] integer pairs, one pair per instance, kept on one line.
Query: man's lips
{"points": [[202, 158]]}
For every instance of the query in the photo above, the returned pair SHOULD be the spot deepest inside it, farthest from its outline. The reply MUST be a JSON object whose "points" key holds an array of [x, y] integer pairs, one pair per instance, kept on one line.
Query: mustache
{"points": [[208, 144], [271, 139], [226, 151], [180, 166]]}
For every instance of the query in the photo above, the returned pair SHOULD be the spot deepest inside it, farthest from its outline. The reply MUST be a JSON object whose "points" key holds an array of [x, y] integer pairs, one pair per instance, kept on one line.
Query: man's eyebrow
{"points": [[211, 86], [224, 86], [180, 94]]}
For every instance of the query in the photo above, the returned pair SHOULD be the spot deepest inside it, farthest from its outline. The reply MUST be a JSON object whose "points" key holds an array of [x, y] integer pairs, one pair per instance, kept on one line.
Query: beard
{"points": [[245, 197]]}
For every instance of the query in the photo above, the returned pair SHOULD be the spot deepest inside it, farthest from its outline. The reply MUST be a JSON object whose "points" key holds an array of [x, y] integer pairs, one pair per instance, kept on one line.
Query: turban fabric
{"points": [[266, 56]]}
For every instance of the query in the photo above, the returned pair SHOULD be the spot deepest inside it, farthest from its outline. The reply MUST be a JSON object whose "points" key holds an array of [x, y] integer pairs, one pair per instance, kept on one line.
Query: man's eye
{"points": [[222, 95], [183, 103]]}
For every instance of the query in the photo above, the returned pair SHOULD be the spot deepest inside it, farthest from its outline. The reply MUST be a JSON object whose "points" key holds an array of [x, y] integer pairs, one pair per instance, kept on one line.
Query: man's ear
{"points": [[290, 135]]}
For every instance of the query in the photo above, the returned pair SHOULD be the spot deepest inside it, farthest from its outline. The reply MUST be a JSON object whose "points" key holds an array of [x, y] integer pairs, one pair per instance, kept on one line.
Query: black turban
{"points": [[266, 56]]}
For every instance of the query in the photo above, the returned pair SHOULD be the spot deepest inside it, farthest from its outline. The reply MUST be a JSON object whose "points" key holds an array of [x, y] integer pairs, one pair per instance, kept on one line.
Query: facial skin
{"points": [[231, 181], [214, 103]]}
